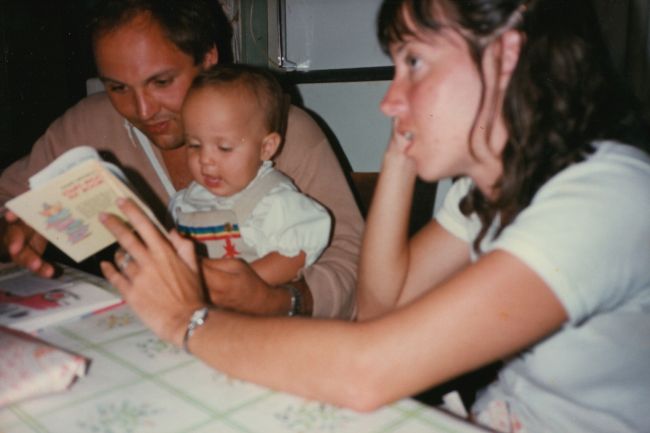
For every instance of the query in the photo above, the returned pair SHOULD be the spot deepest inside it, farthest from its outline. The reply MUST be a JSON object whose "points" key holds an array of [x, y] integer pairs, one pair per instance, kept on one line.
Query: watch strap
{"points": [[296, 300]]}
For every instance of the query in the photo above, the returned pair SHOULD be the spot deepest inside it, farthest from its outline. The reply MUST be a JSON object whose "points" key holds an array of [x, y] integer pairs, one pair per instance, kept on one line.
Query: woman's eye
{"points": [[412, 61]]}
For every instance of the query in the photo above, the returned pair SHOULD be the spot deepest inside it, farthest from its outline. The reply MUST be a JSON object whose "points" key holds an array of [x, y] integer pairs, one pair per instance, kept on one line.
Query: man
{"points": [[147, 52]]}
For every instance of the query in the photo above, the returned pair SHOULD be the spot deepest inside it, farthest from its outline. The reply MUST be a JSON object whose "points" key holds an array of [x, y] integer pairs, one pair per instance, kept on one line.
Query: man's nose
{"points": [[146, 105]]}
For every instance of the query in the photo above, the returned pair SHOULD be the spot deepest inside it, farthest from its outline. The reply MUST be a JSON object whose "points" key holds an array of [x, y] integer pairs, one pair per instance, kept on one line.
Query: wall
{"points": [[336, 35], [351, 110]]}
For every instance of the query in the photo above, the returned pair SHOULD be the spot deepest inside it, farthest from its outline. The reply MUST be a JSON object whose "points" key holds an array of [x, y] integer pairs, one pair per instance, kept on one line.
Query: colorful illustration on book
{"points": [[117, 320], [16, 306], [60, 219], [153, 347], [124, 417], [313, 417]]}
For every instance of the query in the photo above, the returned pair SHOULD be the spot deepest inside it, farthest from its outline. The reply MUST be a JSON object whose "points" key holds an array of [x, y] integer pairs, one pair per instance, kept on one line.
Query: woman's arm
{"points": [[384, 260], [394, 269], [485, 312]]}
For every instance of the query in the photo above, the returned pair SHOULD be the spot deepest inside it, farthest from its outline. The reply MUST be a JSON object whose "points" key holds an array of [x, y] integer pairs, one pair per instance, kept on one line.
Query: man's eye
{"points": [[163, 82], [115, 88]]}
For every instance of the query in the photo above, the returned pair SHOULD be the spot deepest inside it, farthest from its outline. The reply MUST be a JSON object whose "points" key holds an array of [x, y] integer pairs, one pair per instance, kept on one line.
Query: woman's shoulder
{"points": [[613, 170]]}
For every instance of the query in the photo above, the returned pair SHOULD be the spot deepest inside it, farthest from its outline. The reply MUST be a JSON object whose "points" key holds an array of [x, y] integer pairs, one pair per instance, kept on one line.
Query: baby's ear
{"points": [[270, 145]]}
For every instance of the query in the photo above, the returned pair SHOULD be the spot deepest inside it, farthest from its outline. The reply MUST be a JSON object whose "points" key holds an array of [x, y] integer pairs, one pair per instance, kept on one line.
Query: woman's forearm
{"points": [[384, 257]]}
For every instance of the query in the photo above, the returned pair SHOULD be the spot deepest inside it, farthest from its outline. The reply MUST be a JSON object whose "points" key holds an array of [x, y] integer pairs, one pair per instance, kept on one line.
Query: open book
{"points": [[29, 303], [66, 198]]}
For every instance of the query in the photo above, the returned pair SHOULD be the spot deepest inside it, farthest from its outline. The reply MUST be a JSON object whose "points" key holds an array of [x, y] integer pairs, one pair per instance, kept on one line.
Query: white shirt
{"points": [[284, 221], [587, 235]]}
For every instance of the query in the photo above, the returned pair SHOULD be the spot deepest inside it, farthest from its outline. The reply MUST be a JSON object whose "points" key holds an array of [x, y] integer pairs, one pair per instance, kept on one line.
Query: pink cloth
{"points": [[30, 367]]}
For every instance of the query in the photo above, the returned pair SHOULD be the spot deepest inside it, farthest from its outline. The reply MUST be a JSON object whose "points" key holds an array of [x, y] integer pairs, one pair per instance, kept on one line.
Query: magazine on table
{"points": [[29, 303]]}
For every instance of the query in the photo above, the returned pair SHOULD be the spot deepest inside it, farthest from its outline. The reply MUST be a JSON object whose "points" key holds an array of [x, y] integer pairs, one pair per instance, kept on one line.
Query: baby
{"points": [[238, 205]]}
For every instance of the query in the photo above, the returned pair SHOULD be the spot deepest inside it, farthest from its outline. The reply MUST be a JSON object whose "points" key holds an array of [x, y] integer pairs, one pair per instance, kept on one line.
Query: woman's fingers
{"points": [[185, 249], [125, 236], [141, 223], [115, 278]]}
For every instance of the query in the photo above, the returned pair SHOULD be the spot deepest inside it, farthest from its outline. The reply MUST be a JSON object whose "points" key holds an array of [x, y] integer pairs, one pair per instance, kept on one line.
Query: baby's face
{"points": [[224, 131]]}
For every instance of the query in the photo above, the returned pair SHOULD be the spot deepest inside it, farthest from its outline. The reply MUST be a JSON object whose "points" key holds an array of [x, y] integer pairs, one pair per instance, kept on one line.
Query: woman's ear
{"points": [[270, 145], [508, 48]]}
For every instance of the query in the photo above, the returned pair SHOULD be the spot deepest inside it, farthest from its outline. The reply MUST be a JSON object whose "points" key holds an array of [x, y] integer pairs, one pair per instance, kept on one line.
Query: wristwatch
{"points": [[196, 321], [296, 300]]}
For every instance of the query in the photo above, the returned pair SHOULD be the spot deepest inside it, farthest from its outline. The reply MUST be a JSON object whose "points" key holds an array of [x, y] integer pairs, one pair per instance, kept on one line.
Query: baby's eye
{"points": [[192, 144], [224, 148]]}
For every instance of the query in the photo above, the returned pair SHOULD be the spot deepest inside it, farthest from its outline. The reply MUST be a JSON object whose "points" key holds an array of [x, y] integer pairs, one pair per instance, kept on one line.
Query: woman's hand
{"points": [[384, 260], [398, 146], [158, 277]]}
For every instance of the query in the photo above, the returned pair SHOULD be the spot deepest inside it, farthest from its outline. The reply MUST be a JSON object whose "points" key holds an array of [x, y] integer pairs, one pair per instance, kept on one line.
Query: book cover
{"points": [[29, 303], [66, 198]]}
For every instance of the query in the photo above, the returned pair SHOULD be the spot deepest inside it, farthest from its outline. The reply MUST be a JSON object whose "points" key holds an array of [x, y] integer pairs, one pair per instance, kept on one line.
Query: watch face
{"points": [[199, 315]]}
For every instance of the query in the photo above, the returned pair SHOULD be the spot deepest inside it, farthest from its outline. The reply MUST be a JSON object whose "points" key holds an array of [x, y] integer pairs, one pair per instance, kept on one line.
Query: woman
{"points": [[538, 257]]}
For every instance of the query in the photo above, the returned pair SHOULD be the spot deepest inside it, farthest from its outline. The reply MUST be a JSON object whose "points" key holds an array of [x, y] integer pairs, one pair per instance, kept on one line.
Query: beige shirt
{"points": [[306, 157]]}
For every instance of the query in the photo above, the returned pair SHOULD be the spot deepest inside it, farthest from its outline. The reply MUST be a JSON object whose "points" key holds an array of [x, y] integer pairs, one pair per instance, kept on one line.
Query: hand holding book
{"points": [[66, 198]]}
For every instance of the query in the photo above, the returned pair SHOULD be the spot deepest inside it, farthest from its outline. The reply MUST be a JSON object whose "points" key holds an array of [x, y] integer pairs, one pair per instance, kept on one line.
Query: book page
{"points": [[63, 163], [65, 210]]}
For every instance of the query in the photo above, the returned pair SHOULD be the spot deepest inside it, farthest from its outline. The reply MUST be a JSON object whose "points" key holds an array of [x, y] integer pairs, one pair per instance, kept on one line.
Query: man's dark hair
{"points": [[194, 26], [260, 82]]}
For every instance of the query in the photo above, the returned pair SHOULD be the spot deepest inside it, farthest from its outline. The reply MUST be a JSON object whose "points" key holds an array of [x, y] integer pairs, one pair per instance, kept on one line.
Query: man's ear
{"points": [[270, 145], [211, 58], [508, 49]]}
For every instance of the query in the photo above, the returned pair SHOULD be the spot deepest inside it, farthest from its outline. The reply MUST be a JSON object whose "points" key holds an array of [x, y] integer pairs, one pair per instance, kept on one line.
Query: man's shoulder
{"points": [[93, 105], [303, 129]]}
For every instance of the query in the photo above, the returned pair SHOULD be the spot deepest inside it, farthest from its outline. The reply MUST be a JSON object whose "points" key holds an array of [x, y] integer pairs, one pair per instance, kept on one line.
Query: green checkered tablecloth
{"points": [[138, 383]]}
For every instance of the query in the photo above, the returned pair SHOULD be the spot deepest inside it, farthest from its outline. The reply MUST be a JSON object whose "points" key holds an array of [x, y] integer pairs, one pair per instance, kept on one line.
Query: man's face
{"points": [[146, 77]]}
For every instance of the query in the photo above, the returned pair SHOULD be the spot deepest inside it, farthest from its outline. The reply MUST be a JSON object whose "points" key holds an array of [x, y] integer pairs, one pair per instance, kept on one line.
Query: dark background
{"points": [[45, 59]]}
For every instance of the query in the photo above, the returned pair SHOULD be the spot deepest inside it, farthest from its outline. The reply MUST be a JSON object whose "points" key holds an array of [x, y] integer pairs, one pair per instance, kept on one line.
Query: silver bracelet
{"points": [[296, 300], [196, 321]]}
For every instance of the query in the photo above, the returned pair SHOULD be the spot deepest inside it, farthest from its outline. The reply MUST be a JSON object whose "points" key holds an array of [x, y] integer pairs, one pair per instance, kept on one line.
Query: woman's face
{"points": [[435, 96]]}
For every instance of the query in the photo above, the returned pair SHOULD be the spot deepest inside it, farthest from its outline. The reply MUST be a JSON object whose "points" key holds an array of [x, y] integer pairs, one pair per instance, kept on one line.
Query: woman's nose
{"points": [[393, 102]]}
